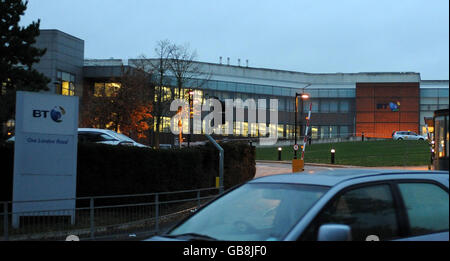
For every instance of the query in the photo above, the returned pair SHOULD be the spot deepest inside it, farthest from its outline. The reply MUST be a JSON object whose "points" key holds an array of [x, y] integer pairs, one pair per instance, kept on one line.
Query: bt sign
{"points": [[56, 113]]}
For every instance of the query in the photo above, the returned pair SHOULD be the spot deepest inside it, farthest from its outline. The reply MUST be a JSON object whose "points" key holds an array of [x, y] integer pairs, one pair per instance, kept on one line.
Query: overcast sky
{"points": [[315, 36]]}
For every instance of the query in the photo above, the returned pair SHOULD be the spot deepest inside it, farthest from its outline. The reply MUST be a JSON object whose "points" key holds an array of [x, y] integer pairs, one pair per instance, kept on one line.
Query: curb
{"points": [[308, 164], [335, 166]]}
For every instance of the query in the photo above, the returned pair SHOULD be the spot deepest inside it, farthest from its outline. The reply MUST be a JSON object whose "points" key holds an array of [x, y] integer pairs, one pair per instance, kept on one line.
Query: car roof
{"points": [[332, 177], [94, 129]]}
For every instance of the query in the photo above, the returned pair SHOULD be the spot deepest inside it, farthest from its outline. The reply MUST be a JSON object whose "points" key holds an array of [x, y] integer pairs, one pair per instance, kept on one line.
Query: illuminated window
{"points": [[314, 132], [164, 92], [67, 83], [280, 130], [245, 132], [109, 89]]}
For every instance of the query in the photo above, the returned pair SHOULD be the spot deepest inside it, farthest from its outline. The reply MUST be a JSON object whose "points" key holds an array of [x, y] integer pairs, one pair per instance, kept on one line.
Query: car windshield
{"points": [[253, 212], [121, 136]]}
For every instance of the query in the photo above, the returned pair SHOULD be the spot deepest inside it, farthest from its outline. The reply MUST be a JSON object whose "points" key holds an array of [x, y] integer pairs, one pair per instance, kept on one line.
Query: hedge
{"points": [[117, 170]]}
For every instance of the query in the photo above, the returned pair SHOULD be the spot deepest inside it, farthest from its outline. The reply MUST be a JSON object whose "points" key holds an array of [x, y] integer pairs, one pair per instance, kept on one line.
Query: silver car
{"points": [[407, 135], [342, 204], [100, 136]]}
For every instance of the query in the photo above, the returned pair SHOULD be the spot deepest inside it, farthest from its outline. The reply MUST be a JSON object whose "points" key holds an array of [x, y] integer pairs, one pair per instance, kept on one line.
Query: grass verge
{"points": [[368, 153]]}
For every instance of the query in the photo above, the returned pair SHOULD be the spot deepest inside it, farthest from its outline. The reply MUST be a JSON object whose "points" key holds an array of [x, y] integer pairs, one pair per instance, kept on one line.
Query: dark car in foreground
{"points": [[335, 205]]}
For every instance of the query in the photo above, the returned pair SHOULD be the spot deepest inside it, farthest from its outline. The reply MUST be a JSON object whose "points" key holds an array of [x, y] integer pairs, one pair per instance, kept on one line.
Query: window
{"points": [[426, 206], [428, 93], [333, 106], [344, 106], [324, 106], [441, 140], [324, 132], [343, 132], [367, 210], [314, 132], [314, 107], [333, 131], [67, 83], [106, 89]]}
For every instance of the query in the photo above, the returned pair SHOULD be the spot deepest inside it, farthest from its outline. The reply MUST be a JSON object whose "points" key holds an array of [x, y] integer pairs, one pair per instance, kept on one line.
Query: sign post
{"points": [[45, 156]]}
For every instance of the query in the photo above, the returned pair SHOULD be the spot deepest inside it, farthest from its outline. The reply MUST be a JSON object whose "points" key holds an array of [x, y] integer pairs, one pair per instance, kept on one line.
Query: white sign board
{"points": [[45, 155]]}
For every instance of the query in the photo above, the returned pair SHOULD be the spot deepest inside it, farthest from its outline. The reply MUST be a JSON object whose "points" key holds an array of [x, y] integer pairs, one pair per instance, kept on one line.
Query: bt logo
{"points": [[55, 114]]}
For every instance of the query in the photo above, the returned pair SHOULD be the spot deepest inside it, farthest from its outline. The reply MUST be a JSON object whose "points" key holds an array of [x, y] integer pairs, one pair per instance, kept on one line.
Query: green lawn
{"points": [[368, 153]]}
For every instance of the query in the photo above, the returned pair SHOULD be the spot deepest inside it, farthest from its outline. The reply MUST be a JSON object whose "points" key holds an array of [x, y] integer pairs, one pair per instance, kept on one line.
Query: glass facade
{"points": [[432, 99], [333, 105]]}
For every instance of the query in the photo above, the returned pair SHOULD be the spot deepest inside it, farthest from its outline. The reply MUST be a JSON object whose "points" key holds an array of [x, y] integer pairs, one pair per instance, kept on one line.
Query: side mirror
{"points": [[334, 232]]}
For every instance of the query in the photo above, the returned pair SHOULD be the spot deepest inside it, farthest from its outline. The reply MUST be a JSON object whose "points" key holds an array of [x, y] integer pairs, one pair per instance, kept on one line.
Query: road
{"points": [[271, 168], [265, 169]]}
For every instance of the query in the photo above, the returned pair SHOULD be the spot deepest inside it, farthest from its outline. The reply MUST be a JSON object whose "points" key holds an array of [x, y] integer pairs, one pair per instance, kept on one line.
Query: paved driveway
{"points": [[272, 168]]}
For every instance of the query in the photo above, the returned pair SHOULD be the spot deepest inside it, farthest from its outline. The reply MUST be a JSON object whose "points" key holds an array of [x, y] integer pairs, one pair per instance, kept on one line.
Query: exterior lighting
{"points": [[279, 153], [305, 96], [333, 151]]}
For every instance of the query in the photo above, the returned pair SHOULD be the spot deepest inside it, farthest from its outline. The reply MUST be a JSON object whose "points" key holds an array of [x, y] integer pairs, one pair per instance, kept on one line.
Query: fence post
{"points": [[91, 210], [5, 221], [157, 213]]}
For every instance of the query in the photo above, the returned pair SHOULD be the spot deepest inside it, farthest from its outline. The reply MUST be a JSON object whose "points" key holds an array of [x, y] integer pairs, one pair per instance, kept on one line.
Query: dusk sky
{"points": [[320, 36]]}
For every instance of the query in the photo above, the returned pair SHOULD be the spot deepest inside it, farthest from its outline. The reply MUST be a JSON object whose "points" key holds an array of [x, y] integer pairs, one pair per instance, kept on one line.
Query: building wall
{"points": [[65, 53], [433, 96], [374, 116]]}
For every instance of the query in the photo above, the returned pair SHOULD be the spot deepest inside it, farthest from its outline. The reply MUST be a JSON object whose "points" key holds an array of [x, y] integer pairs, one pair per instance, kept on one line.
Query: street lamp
{"points": [[190, 93], [303, 96]]}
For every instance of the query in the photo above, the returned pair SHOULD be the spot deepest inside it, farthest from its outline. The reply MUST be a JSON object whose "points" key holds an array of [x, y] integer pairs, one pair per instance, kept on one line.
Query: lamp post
{"points": [[279, 153], [190, 93], [303, 96]]}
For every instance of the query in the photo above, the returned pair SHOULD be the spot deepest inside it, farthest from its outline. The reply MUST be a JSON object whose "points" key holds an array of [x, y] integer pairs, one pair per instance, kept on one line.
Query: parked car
{"points": [[106, 137], [407, 135], [101, 136], [342, 204]]}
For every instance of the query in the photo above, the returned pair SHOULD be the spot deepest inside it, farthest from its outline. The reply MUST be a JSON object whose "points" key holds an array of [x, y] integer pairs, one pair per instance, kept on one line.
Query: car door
{"points": [[370, 210], [427, 210], [412, 136]]}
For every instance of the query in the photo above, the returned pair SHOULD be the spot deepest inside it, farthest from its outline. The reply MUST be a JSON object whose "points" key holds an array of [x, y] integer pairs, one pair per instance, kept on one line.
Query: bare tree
{"points": [[158, 68], [184, 68]]}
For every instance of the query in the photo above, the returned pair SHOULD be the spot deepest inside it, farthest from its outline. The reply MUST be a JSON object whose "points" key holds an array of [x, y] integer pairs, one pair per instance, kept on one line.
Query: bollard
{"points": [[279, 153], [333, 151], [362, 136]]}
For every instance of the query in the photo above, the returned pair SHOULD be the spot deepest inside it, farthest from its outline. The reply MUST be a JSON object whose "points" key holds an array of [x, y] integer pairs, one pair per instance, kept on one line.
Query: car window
{"points": [[368, 211], [427, 207], [252, 212], [106, 137]]}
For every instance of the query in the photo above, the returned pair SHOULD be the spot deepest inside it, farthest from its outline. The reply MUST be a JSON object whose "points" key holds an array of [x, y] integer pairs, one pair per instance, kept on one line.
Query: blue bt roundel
{"points": [[394, 106], [57, 113]]}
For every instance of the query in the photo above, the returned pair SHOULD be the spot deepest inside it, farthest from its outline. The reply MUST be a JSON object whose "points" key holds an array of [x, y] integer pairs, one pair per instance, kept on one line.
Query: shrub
{"points": [[117, 170]]}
